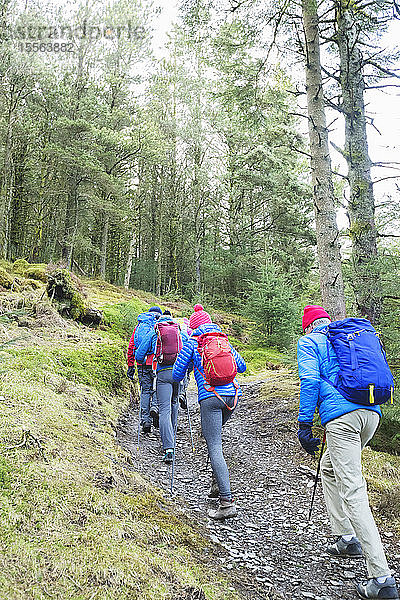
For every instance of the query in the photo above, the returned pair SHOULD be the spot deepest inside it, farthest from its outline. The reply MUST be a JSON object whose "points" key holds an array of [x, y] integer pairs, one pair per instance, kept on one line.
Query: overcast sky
{"points": [[383, 105]]}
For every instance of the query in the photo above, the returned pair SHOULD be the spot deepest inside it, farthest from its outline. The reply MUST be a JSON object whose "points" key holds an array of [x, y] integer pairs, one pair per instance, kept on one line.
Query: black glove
{"points": [[131, 372], [306, 439]]}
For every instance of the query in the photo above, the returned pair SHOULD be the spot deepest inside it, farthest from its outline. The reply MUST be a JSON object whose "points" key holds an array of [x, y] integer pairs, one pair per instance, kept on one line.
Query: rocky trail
{"points": [[270, 543]]}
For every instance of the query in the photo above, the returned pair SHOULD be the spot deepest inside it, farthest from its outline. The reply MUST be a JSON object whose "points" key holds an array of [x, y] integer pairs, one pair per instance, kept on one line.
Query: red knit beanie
{"points": [[199, 317], [312, 313]]}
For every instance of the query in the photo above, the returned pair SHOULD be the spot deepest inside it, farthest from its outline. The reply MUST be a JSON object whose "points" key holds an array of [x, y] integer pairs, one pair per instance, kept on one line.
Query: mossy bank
{"points": [[76, 521]]}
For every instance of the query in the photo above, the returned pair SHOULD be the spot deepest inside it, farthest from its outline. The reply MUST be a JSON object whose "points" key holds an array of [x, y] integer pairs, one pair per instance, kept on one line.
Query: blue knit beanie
{"points": [[156, 309]]}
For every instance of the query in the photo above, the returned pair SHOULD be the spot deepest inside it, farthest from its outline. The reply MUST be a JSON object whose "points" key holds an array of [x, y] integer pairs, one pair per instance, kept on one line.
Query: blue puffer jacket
{"points": [[316, 359], [149, 341], [190, 357]]}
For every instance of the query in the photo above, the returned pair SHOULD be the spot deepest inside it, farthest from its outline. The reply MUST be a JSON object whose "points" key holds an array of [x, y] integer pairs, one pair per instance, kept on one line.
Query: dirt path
{"points": [[271, 479]]}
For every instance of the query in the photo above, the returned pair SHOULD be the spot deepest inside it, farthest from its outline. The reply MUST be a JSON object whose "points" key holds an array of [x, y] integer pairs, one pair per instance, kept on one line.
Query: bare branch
{"points": [[340, 175], [378, 87], [236, 4], [384, 178], [342, 152], [382, 69], [301, 152]]}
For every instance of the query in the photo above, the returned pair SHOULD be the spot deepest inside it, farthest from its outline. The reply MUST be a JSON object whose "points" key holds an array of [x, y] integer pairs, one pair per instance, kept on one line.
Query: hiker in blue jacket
{"points": [[166, 388], [349, 427], [148, 399], [215, 407]]}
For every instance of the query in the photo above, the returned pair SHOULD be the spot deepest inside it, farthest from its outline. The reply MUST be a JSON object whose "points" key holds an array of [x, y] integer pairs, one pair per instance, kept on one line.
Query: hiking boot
{"points": [[373, 590], [146, 427], [213, 494], [345, 549], [168, 457], [155, 416], [225, 510]]}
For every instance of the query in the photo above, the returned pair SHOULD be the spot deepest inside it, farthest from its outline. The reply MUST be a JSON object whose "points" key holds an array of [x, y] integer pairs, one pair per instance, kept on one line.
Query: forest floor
{"points": [[85, 518], [270, 543]]}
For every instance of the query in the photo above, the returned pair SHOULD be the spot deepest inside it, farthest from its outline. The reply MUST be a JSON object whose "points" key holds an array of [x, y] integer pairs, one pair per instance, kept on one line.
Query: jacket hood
{"points": [[205, 328], [320, 329], [166, 318]]}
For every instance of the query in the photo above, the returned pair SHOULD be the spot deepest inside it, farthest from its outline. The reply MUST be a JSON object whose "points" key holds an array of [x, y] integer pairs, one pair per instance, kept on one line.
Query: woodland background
{"points": [[189, 176]]}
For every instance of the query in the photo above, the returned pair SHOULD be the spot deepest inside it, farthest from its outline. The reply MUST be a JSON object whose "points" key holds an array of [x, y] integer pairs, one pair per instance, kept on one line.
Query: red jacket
{"points": [[131, 353]]}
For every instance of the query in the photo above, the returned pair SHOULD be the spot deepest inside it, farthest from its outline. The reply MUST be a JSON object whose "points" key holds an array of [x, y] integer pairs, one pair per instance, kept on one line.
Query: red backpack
{"points": [[217, 360], [169, 342]]}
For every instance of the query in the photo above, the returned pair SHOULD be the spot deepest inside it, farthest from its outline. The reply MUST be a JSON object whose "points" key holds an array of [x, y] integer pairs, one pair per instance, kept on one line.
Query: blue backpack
{"points": [[364, 376], [145, 325]]}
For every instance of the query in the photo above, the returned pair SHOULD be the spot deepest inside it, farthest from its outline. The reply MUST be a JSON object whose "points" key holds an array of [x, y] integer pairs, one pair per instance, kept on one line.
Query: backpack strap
{"points": [[353, 355], [314, 343], [210, 388]]}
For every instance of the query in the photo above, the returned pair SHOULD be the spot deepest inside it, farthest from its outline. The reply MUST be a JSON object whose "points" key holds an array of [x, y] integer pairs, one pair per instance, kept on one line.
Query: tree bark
{"points": [[6, 190], [71, 225], [366, 279], [132, 244], [104, 244], [328, 249]]}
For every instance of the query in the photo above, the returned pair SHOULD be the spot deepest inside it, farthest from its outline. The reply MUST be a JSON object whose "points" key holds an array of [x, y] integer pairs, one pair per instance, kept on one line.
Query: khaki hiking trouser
{"points": [[344, 486]]}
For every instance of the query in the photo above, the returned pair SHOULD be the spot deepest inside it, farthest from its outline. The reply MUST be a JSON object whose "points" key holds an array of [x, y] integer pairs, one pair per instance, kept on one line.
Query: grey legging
{"points": [[214, 415], [167, 396]]}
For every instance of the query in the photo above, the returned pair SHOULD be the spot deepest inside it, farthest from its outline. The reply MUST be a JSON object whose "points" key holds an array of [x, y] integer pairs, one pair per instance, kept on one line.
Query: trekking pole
{"points": [[131, 393], [138, 428], [173, 458], [190, 426], [316, 476], [140, 413]]}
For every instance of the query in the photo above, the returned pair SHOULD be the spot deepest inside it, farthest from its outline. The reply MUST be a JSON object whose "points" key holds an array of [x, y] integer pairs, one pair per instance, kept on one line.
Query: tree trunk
{"points": [[323, 196], [131, 253], [6, 190], [366, 278], [159, 259], [104, 244], [160, 234], [132, 240], [71, 226]]}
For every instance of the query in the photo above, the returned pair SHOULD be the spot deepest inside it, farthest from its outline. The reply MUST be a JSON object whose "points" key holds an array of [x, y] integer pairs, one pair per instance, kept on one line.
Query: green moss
{"points": [[38, 272], [6, 280], [130, 543], [387, 437], [20, 266], [4, 264], [5, 475], [66, 292], [382, 472], [102, 367], [77, 306], [32, 284], [122, 318], [260, 359]]}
